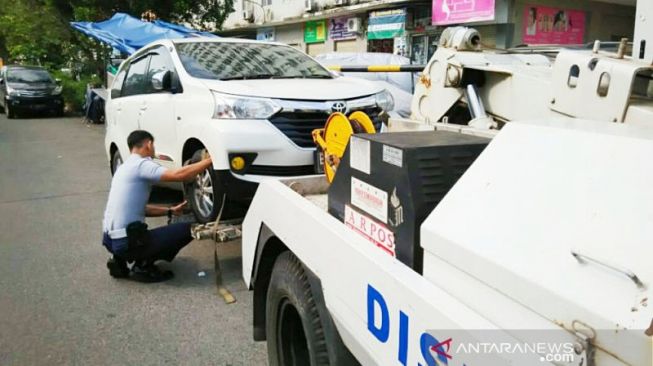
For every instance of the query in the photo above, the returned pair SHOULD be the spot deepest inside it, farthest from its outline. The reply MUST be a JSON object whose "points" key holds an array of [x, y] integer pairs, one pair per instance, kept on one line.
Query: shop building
{"points": [[413, 28]]}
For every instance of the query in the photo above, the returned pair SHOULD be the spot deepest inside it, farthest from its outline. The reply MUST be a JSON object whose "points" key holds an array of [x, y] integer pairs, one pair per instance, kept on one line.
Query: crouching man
{"points": [[125, 233]]}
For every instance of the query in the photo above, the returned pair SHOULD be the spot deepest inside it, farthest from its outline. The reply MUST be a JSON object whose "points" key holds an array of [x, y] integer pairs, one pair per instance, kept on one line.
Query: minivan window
{"points": [[234, 61], [159, 62], [136, 82], [28, 76], [117, 84]]}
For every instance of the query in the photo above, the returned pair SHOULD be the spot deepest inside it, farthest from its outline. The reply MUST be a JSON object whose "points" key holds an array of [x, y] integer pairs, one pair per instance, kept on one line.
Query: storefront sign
{"points": [[386, 24], [544, 25], [265, 34], [462, 11], [342, 28], [315, 31]]}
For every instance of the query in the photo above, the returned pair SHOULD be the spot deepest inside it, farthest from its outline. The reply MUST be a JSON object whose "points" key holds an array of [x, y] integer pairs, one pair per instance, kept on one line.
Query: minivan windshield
{"points": [[28, 76], [244, 61]]}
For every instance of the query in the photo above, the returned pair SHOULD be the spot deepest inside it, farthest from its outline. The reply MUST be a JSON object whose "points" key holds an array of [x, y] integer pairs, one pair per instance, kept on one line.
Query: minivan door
{"points": [[126, 110], [158, 108]]}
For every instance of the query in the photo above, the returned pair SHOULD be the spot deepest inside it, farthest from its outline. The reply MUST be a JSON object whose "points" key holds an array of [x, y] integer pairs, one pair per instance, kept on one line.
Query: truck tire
{"points": [[297, 330], [205, 193], [293, 328]]}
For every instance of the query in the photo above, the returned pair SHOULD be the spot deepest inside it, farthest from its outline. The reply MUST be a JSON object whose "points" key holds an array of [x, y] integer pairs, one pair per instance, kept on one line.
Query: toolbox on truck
{"points": [[387, 184]]}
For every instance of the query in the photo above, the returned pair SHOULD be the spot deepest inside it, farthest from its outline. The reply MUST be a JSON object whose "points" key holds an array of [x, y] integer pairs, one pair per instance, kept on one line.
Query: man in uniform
{"points": [[125, 234]]}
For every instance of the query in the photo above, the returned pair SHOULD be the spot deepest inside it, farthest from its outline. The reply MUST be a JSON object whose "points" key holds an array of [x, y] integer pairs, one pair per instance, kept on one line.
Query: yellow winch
{"points": [[334, 137]]}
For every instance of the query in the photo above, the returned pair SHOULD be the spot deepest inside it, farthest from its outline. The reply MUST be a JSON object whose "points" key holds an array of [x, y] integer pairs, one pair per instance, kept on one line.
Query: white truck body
{"points": [[497, 251], [544, 239]]}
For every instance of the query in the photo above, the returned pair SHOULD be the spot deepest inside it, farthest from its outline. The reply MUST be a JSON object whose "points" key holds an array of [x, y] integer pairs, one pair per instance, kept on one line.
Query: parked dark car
{"points": [[29, 88]]}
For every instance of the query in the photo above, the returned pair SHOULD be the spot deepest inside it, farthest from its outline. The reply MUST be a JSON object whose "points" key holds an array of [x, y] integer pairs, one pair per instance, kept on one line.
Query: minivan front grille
{"points": [[298, 126], [34, 93]]}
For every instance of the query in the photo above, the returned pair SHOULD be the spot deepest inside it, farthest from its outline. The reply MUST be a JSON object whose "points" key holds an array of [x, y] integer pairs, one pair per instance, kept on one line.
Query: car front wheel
{"points": [[205, 193], [11, 113]]}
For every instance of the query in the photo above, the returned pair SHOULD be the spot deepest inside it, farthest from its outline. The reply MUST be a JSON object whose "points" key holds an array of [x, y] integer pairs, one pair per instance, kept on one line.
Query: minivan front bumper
{"points": [[51, 102]]}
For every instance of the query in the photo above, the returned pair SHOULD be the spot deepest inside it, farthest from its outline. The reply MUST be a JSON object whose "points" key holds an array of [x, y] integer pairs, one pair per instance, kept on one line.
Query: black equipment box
{"points": [[388, 183]]}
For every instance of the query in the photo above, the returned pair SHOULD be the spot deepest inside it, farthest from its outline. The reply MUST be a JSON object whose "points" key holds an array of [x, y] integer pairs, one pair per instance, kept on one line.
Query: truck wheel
{"points": [[293, 326], [116, 161], [205, 193]]}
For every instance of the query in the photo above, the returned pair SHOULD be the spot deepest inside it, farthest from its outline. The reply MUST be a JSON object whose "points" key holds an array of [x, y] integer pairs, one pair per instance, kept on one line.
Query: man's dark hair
{"points": [[138, 138]]}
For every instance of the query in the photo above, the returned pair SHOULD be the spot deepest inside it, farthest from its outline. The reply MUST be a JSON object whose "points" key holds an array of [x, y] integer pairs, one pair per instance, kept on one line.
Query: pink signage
{"points": [[462, 11], [543, 25]]}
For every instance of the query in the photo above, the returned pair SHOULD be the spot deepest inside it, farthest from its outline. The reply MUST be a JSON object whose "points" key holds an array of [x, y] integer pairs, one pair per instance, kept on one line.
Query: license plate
{"points": [[37, 106], [318, 161]]}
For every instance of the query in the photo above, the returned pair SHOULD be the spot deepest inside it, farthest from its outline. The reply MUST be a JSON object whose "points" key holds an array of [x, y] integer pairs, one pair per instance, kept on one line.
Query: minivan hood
{"points": [[304, 89], [31, 86]]}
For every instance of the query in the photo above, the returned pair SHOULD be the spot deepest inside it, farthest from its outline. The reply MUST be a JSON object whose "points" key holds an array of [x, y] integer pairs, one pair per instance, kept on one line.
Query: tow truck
{"points": [[508, 222]]}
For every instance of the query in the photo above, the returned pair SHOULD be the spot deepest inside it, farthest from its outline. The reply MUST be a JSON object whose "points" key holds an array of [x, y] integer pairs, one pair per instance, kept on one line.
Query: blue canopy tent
{"points": [[127, 34]]}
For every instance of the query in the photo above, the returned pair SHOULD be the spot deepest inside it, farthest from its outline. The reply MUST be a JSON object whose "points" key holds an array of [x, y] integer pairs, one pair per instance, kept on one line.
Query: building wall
{"points": [[276, 11], [294, 35], [604, 21]]}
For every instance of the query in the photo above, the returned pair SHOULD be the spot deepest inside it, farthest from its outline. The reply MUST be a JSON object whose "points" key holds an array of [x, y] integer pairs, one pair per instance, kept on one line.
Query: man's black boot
{"points": [[149, 273], [118, 268]]}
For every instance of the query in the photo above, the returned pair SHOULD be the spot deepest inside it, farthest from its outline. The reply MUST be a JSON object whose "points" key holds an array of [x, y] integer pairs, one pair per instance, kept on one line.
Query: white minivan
{"points": [[251, 104]]}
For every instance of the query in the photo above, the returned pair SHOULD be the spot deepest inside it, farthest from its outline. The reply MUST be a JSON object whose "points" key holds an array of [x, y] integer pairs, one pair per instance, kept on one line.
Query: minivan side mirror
{"points": [[161, 81], [58, 81]]}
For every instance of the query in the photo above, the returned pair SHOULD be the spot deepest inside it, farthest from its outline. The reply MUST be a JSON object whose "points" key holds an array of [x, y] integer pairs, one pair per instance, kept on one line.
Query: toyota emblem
{"points": [[339, 107]]}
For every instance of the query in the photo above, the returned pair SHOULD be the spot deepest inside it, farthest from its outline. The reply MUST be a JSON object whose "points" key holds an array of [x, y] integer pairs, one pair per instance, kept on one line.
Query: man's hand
{"points": [[178, 210]]}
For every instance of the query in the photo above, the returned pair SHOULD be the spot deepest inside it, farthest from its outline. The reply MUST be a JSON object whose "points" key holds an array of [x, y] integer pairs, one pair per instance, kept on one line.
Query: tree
{"points": [[208, 15], [32, 36]]}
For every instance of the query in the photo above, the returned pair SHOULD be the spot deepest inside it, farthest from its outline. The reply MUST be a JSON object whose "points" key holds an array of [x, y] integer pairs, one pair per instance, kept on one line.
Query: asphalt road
{"points": [[58, 304]]}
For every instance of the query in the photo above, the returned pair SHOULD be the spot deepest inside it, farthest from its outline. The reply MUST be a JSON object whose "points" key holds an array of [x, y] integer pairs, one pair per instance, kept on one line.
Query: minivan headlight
{"points": [[57, 90], [385, 100], [12, 92], [239, 107]]}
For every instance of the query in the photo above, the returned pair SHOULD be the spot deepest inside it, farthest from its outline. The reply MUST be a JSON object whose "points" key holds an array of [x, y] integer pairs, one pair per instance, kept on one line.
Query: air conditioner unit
{"points": [[248, 15], [269, 15], [309, 5], [354, 25]]}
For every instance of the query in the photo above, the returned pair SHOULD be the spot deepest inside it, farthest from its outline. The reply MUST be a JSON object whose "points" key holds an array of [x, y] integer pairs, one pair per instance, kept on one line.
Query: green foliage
{"points": [[74, 91], [32, 37]]}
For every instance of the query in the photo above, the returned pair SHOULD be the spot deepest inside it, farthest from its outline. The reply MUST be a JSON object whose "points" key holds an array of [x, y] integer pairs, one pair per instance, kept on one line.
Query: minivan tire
{"points": [[204, 188], [11, 113], [116, 161]]}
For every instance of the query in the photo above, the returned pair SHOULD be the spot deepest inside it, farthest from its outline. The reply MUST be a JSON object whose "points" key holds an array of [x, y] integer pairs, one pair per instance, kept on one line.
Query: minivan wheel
{"points": [[205, 193], [11, 113], [116, 161]]}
